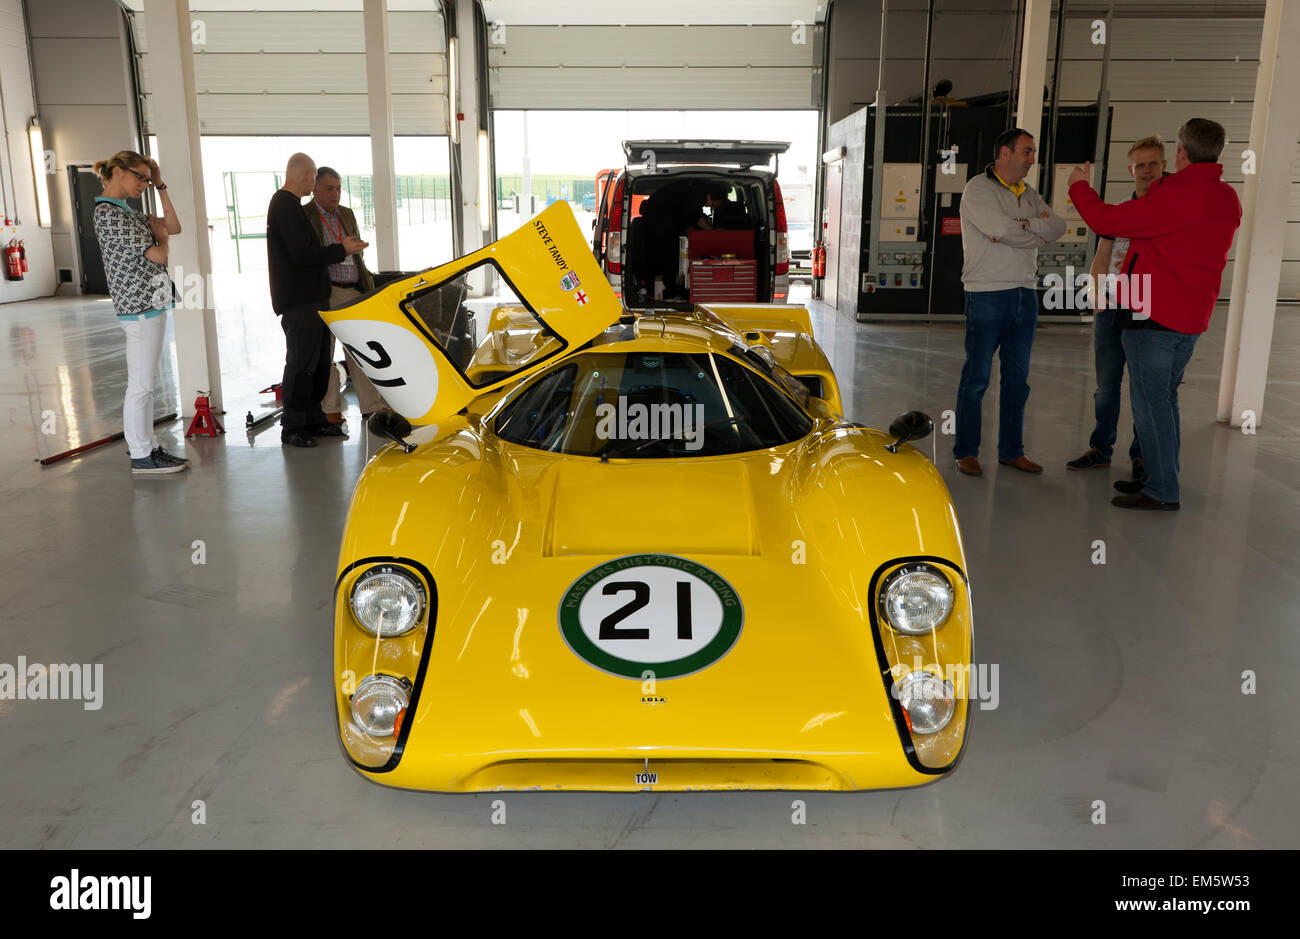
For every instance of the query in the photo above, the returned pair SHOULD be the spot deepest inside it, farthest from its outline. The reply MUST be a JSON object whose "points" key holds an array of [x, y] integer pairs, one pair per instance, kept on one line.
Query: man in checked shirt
{"points": [[349, 279]]}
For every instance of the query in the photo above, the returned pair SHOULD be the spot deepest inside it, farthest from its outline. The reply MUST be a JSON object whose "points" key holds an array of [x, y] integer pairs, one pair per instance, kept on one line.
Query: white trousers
{"points": [[144, 341]]}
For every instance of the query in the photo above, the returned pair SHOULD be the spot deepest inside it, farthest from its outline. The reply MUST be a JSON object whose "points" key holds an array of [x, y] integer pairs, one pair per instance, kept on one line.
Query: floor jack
{"points": [[252, 424]]}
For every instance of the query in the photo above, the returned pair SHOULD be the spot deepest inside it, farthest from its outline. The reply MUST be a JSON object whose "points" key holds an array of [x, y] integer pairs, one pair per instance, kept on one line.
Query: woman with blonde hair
{"points": [[134, 247]]}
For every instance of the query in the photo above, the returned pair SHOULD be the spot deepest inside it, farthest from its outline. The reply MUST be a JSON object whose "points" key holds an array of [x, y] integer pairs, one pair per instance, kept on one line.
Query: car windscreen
{"points": [[645, 405], [485, 338]]}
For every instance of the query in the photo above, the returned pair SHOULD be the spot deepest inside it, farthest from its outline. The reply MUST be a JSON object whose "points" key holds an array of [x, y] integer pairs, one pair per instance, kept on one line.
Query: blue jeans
{"points": [[1002, 320], [1108, 350], [1156, 359]]}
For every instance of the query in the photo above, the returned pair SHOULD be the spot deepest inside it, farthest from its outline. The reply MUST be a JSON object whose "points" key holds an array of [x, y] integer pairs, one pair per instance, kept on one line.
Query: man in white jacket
{"points": [[1003, 221]]}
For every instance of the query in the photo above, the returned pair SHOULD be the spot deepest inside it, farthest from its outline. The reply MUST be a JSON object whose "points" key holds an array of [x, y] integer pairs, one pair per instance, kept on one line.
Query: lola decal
{"points": [[651, 613]]}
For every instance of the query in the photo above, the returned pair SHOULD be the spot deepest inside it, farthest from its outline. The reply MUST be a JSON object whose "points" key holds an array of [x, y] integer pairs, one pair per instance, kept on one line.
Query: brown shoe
{"points": [[1138, 500], [334, 417], [970, 466], [1024, 464]]}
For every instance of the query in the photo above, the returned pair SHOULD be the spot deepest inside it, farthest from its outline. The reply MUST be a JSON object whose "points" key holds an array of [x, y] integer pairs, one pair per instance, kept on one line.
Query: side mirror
{"points": [[914, 425], [391, 426]]}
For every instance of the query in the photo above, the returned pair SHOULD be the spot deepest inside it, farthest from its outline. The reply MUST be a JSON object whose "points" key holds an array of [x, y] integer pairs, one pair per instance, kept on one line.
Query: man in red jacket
{"points": [[1179, 235]]}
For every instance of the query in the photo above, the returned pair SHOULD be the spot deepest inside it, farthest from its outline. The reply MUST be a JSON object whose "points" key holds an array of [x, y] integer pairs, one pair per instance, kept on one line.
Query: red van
{"points": [[635, 237]]}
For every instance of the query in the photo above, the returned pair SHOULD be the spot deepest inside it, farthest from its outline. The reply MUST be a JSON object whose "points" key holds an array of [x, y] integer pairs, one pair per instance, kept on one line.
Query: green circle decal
{"points": [[651, 613]]}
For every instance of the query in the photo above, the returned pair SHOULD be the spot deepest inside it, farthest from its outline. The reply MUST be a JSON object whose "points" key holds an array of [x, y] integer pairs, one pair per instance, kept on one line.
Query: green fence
{"points": [[547, 189]]}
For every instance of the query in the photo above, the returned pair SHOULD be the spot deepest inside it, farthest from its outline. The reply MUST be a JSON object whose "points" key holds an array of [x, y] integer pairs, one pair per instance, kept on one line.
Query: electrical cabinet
{"points": [[900, 201], [910, 265]]}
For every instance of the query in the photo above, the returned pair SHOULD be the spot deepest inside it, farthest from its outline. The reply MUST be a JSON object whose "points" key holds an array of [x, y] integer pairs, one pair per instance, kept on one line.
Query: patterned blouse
{"points": [[136, 284]]}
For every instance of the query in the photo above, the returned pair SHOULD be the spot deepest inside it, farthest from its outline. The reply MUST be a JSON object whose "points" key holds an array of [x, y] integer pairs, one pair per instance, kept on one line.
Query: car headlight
{"points": [[916, 598], [928, 701], [379, 704], [387, 601]]}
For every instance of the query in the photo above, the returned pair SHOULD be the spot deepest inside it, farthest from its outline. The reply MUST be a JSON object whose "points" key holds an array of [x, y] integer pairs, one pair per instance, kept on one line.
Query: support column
{"points": [[1033, 74], [379, 94], [1274, 128], [176, 122], [465, 114]]}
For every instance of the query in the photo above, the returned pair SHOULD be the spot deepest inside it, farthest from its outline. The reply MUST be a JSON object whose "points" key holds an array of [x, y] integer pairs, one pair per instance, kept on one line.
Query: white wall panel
{"points": [[1177, 80], [550, 46], [302, 71], [696, 67], [1146, 39], [312, 74], [652, 88], [1134, 119], [732, 12], [309, 115]]}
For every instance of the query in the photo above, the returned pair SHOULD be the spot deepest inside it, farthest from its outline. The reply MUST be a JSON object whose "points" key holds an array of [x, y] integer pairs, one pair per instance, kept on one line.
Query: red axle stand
{"points": [[205, 423]]}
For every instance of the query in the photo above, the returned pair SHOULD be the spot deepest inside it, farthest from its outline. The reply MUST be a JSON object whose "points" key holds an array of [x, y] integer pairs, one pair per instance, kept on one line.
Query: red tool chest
{"points": [[722, 267], [724, 280]]}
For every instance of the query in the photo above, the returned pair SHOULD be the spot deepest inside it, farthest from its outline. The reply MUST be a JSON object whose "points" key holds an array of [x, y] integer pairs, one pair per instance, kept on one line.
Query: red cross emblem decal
{"points": [[581, 297]]}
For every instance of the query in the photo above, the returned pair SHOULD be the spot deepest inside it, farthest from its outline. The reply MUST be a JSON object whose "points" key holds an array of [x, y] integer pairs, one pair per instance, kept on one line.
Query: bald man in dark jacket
{"points": [[298, 264]]}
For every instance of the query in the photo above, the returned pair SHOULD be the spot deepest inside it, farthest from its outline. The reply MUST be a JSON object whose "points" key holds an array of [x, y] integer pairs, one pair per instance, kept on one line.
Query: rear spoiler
{"points": [[768, 316]]}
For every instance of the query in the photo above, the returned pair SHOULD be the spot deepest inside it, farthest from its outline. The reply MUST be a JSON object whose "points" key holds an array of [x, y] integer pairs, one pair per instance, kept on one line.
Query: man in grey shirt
{"points": [[1003, 221]]}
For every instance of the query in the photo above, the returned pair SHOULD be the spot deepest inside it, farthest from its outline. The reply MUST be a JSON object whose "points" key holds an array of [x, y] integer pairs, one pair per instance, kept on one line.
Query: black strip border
{"points": [[418, 324], [432, 588], [900, 724]]}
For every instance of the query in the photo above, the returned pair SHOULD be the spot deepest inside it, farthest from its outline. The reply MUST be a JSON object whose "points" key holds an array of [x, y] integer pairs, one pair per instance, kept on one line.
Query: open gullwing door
{"points": [[433, 342]]}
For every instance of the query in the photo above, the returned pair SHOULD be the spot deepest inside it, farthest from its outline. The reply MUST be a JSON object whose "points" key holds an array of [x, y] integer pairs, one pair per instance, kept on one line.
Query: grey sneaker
{"points": [[152, 465], [160, 454]]}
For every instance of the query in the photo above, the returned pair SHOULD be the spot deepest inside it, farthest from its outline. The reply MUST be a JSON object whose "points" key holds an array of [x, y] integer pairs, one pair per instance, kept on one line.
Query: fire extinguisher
{"points": [[22, 255], [819, 260], [13, 262]]}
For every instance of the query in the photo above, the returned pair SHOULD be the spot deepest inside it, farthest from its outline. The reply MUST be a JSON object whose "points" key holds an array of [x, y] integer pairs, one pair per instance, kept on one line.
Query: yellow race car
{"points": [[618, 550]]}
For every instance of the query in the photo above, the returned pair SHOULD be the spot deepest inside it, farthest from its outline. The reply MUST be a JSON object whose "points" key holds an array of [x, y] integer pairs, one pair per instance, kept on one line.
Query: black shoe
{"points": [[1129, 486], [297, 439], [1090, 460], [327, 430], [1140, 501], [152, 465], [160, 454]]}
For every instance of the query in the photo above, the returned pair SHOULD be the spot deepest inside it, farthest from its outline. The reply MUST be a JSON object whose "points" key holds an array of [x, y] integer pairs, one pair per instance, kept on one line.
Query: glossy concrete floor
{"points": [[1119, 683]]}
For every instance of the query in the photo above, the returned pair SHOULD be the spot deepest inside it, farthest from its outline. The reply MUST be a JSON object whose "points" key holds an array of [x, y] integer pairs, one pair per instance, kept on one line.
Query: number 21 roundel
{"points": [[395, 359], [651, 613]]}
